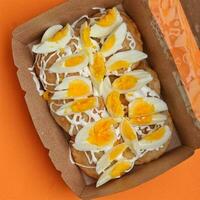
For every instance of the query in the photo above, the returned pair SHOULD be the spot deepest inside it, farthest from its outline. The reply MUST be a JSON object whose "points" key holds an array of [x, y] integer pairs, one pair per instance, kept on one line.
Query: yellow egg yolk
{"points": [[127, 131], [116, 151], [62, 50], [46, 95], [141, 108], [155, 135], [114, 105], [74, 61], [109, 18], [85, 36], [78, 88], [82, 105], [142, 120], [125, 82], [119, 169], [109, 43], [59, 35], [101, 134], [98, 69], [121, 64]]}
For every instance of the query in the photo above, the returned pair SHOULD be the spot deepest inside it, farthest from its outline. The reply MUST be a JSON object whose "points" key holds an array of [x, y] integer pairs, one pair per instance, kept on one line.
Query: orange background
{"points": [[26, 172]]}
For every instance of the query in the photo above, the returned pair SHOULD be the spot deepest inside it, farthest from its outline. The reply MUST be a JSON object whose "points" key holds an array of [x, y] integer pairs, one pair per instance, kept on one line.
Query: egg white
{"points": [[159, 104], [94, 44], [67, 110], [142, 92], [64, 86], [48, 46], [98, 31], [120, 35], [152, 145], [66, 81], [82, 144], [133, 144], [105, 161], [130, 56], [106, 89], [156, 118], [143, 78], [105, 177], [59, 66]]}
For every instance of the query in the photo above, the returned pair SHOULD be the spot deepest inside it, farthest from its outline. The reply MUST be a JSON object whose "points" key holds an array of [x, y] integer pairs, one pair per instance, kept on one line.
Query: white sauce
{"points": [[132, 43]]}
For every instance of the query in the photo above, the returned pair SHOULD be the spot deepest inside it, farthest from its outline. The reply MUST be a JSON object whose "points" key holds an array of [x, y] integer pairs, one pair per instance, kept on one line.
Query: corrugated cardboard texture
{"points": [[51, 134]]}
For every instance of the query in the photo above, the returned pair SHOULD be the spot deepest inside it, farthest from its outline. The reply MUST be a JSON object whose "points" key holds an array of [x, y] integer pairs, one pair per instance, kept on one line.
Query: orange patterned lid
{"points": [[174, 25]]}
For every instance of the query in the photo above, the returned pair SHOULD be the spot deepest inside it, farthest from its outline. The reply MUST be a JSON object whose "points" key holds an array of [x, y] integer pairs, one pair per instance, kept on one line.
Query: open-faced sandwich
{"points": [[103, 94]]}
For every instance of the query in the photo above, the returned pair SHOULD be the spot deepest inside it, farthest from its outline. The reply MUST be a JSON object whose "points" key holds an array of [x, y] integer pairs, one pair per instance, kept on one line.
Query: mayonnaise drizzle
{"points": [[80, 165], [132, 43], [77, 119], [101, 10], [37, 84], [78, 20]]}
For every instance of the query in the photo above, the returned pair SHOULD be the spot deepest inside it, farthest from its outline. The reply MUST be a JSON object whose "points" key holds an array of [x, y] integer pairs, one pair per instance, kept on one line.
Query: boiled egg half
{"points": [[73, 87], [78, 106], [124, 60], [132, 81], [112, 100], [155, 139], [146, 106], [113, 154], [114, 41], [106, 24], [55, 38], [115, 171], [96, 136], [71, 64]]}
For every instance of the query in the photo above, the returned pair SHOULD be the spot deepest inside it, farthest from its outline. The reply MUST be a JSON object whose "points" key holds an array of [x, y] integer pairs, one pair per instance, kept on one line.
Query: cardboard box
{"points": [[54, 138]]}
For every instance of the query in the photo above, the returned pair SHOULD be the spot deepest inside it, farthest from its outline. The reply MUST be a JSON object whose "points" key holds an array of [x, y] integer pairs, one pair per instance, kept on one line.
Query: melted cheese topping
{"points": [[101, 134], [98, 69], [155, 135], [125, 82], [119, 168], [109, 43], [109, 18], [141, 108], [74, 61], [59, 35], [114, 105], [78, 88], [116, 151], [82, 105]]}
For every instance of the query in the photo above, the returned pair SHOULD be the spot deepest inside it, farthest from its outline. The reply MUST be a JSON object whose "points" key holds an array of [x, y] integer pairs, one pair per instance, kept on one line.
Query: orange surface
{"points": [[26, 172]]}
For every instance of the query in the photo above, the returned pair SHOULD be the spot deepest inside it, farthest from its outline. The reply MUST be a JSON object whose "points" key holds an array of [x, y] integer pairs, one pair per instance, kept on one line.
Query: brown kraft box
{"points": [[186, 136]]}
